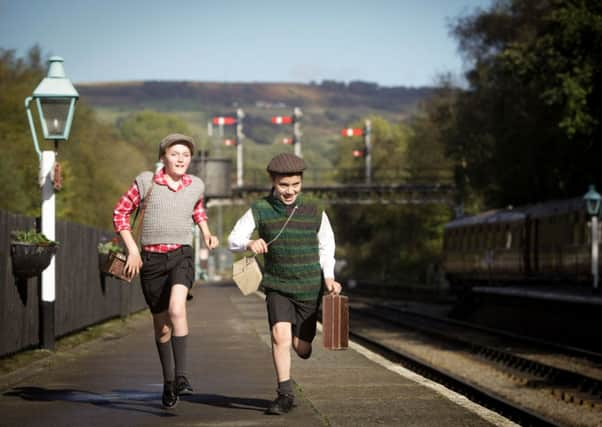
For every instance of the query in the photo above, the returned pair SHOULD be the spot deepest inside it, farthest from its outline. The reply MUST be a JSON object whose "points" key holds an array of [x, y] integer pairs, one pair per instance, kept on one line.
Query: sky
{"points": [[389, 42]]}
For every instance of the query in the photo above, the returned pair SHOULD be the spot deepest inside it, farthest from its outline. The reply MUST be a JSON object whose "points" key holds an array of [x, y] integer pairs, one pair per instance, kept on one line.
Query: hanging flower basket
{"points": [[31, 253], [29, 260]]}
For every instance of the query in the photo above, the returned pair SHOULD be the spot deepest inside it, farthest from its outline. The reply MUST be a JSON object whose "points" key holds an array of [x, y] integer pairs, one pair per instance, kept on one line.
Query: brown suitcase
{"points": [[335, 322]]}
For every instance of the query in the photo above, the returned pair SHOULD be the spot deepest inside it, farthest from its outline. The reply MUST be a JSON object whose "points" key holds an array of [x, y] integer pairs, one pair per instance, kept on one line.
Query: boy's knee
{"points": [[281, 336], [177, 312]]}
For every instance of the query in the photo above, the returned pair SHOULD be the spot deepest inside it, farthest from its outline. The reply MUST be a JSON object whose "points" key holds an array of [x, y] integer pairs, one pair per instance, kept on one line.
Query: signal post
{"points": [[367, 151], [294, 120], [238, 137]]}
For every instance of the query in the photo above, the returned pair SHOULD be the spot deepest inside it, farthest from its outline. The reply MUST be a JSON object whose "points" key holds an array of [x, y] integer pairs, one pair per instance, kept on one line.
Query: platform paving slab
{"points": [[117, 381]]}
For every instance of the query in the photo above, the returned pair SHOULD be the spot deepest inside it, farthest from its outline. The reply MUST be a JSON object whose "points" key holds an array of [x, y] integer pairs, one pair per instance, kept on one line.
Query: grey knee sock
{"points": [[179, 353], [166, 358], [286, 387]]}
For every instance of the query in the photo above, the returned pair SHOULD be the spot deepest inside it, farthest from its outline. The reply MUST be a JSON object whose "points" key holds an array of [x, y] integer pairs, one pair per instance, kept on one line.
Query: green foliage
{"points": [[144, 130], [32, 236], [109, 146], [19, 164], [393, 243], [526, 129], [389, 153], [106, 248], [97, 164]]}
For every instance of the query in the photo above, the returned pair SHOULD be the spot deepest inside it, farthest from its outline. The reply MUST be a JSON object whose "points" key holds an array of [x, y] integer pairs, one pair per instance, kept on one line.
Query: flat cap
{"points": [[286, 163], [175, 138]]}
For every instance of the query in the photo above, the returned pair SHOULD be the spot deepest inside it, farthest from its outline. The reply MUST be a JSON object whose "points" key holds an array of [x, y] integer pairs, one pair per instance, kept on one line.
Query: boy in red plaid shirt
{"points": [[174, 202]]}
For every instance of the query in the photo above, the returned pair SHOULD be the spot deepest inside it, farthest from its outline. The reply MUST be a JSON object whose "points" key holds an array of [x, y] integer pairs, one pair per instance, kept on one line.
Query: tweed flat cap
{"points": [[286, 163], [174, 138]]}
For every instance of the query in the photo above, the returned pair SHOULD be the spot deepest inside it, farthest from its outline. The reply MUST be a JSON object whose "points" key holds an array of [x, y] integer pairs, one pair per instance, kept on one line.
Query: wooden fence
{"points": [[83, 296]]}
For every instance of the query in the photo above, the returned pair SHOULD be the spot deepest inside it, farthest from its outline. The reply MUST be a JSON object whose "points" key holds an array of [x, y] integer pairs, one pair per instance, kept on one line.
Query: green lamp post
{"points": [[592, 200], [55, 99]]}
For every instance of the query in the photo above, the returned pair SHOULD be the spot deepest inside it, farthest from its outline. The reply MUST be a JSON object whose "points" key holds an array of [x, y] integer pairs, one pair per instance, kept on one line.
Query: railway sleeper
{"points": [[576, 397], [584, 399]]}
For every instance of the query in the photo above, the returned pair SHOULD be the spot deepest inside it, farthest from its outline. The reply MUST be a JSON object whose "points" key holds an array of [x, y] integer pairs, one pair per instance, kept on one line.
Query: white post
{"points": [[239, 153], [239, 160], [48, 229], [220, 135], [595, 239], [297, 113]]}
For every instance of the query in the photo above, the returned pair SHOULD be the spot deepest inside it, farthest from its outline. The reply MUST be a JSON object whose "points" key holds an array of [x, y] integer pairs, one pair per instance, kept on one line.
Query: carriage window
{"points": [[508, 244]]}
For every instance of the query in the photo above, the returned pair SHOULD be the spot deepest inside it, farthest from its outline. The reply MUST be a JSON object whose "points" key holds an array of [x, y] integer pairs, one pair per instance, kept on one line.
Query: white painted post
{"points": [[48, 229]]}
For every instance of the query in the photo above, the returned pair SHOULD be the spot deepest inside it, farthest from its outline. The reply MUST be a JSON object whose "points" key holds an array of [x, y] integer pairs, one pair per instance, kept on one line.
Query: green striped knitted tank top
{"points": [[292, 264]]}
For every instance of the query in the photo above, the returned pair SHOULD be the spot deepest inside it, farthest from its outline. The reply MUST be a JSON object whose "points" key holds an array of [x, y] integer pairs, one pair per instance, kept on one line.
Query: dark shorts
{"points": [[301, 314], [161, 271]]}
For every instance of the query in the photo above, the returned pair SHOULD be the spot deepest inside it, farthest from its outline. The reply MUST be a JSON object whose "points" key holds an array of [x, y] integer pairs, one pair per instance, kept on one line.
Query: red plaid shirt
{"points": [[130, 200]]}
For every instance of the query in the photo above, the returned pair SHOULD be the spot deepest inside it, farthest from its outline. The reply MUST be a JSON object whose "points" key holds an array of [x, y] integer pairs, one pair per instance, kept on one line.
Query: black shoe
{"points": [[183, 387], [282, 404], [170, 397]]}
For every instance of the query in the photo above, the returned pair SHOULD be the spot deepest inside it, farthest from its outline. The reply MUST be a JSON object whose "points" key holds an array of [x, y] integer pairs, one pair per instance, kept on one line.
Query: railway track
{"points": [[529, 381]]}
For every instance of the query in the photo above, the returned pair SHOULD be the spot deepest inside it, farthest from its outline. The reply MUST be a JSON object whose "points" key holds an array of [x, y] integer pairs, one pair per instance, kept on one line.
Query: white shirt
{"points": [[240, 237]]}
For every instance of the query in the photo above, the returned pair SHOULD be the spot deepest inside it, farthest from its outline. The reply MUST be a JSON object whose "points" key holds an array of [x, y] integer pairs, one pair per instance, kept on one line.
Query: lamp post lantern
{"points": [[55, 99], [592, 200]]}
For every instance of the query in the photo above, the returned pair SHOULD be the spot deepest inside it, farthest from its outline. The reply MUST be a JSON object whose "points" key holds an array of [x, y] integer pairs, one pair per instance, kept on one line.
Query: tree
{"points": [[144, 129], [97, 165], [526, 128]]}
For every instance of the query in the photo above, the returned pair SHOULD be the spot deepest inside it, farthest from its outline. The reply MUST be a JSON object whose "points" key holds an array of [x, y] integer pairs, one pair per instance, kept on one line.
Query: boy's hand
{"points": [[133, 263], [333, 286], [257, 246], [211, 241]]}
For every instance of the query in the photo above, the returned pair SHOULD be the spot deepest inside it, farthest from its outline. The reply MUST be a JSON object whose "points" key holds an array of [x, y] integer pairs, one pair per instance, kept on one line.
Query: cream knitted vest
{"points": [[168, 215]]}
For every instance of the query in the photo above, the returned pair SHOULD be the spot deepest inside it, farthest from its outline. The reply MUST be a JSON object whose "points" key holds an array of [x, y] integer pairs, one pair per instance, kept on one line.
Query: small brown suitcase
{"points": [[335, 322]]}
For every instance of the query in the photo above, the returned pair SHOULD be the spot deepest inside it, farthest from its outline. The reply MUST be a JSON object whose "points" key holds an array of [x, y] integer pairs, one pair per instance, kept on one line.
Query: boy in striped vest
{"points": [[300, 257]]}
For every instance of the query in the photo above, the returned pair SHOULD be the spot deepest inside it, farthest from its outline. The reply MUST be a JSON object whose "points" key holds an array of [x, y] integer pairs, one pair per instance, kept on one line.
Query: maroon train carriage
{"points": [[542, 243]]}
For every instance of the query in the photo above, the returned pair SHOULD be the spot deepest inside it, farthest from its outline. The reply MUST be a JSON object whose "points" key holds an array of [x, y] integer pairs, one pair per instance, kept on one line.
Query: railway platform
{"points": [[575, 294], [116, 381]]}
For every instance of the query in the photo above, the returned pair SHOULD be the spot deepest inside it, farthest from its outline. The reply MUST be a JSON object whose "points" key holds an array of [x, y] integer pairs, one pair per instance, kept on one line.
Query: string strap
{"points": [[284, 226], [281, 230]]}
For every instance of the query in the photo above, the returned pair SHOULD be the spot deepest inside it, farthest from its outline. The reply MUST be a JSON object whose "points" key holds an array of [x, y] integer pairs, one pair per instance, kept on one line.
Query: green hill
{"points": [[327, 108], [328, 94]]}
